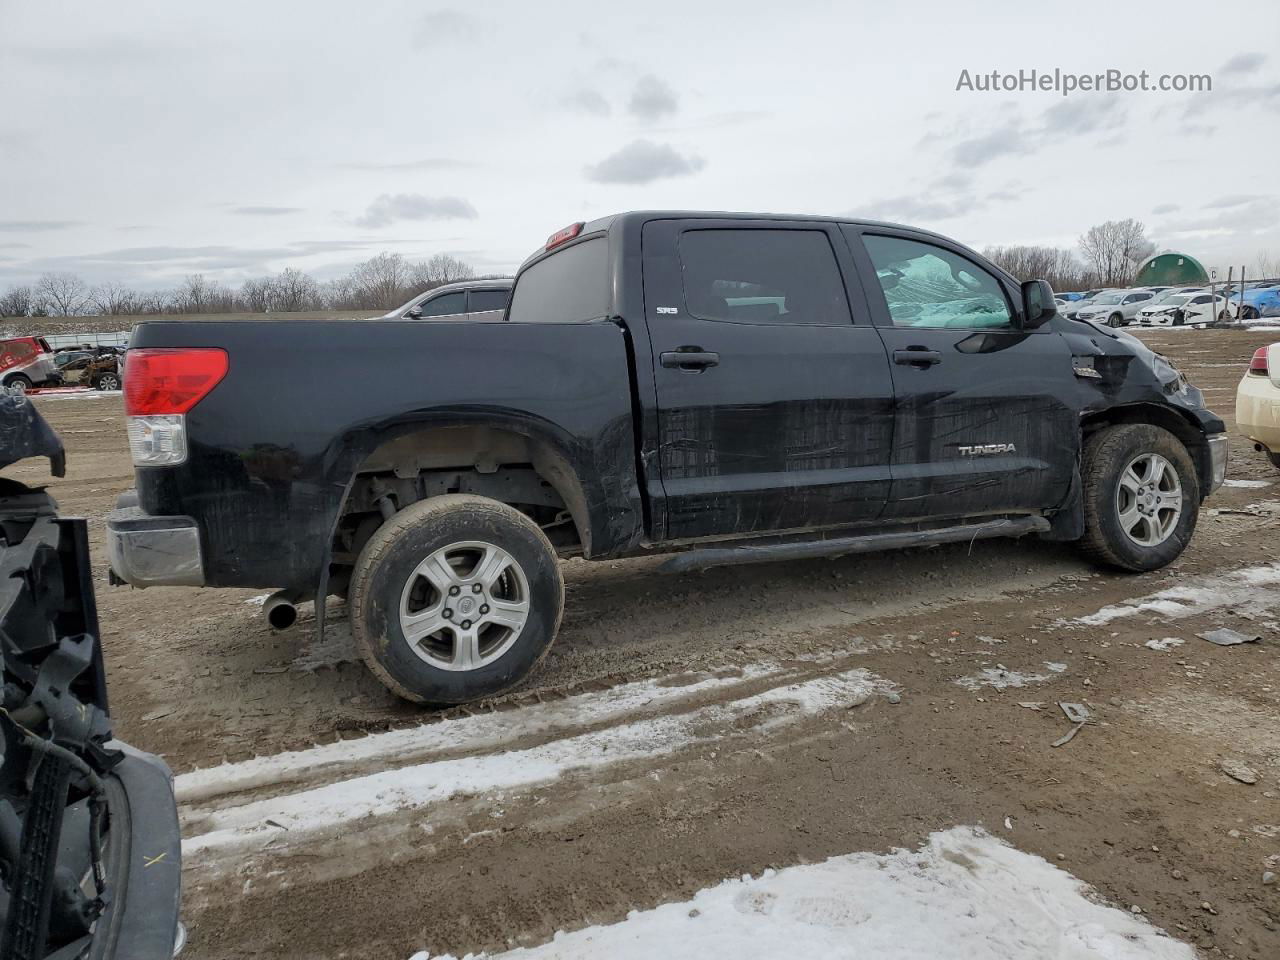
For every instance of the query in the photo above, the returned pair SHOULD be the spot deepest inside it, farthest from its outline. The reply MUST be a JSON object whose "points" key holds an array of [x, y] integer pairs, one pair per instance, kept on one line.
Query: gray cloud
{"points": [[1243, 63], [910, 208], [652, 99], [390, 207], [35, 226], [441, 25], [1165, 208], [1009, 140], [1081, 116], [587, 100], [1265, 97], [258, 211], [1234, 200], [426, 163], [13, 246], [643, 161]]}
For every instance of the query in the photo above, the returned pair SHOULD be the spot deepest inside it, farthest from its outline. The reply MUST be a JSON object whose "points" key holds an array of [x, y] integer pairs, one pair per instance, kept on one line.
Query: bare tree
{"points": [[17, 302], [380, 281], [63, 294], [1060, 267], [255, 295], [1115, 249], [441, 269], [294, 290], [115, 299]]}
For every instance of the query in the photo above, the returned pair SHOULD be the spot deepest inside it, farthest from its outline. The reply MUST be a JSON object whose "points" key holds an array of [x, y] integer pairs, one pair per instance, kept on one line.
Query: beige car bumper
{"points": [[1258, 411]]}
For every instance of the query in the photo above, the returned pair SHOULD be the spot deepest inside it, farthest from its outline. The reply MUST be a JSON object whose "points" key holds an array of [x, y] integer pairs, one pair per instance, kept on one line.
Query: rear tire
{"points": [[1274, 458], [414, 575], [19, 380], [107, 381], [1115, 527]]}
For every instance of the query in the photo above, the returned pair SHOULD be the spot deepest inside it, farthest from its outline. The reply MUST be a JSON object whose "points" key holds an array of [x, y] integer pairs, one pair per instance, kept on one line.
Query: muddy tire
{"points": [[455, 598], [1141, 497]]}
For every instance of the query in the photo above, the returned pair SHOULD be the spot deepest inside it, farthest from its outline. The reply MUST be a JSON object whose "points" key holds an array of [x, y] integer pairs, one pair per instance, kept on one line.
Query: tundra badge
{"points": [[986, 449]]}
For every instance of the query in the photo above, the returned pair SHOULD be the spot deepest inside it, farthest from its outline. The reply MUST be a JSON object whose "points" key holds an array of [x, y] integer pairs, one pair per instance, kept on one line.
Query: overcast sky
{"points": [[143, 141]]}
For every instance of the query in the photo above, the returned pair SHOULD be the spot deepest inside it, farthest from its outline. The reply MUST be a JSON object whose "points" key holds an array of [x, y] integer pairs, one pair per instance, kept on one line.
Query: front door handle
{"points": [[917, 356], [690, 359]]}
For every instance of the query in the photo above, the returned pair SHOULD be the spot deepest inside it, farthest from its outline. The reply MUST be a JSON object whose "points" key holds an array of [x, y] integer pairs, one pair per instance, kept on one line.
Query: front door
{"points": [[775, 407], [982, 420]]}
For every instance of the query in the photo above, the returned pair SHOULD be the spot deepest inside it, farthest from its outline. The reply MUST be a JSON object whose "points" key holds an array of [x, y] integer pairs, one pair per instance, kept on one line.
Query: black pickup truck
{"points": [[726, 388]]}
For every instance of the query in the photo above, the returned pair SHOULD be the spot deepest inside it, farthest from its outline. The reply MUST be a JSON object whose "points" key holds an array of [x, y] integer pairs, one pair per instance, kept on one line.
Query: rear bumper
{"points": [[148, 551], [1258, 411]]}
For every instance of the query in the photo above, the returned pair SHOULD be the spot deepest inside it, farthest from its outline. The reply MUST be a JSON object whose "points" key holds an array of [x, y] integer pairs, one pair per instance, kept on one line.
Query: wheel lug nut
{"points": [[476, 588], [466, 624], [453, 591], [448, 614], [484, 608]]}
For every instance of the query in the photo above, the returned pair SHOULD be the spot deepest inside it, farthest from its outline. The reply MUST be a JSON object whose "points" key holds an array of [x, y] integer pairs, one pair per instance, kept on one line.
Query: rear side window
{"points": [[762, 276], [571, 286], [482, 300], [445, 305]]}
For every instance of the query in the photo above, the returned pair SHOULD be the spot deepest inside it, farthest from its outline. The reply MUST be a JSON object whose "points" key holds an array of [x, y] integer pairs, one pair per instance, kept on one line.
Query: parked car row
{"points": [[1150, 306]]}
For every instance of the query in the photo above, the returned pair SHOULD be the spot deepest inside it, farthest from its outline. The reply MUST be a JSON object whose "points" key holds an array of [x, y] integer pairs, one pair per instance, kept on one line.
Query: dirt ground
{"points": [[1136, 804]]}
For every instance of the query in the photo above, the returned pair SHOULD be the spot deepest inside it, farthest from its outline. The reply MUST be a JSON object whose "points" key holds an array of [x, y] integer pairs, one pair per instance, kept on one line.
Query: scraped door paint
{"points": [[782, 417]]}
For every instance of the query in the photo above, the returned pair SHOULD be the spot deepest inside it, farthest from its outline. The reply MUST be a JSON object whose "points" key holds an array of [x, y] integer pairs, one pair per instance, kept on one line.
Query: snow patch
{"points": [[1246, 483], [1167, 643], [1245, 590], [1001, 677], [962, 894], [407, 788]]}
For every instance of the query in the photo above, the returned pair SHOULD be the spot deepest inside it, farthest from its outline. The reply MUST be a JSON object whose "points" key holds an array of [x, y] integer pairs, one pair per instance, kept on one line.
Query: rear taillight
{"points": [[1258, 365], [170, 380], [160, 386]]}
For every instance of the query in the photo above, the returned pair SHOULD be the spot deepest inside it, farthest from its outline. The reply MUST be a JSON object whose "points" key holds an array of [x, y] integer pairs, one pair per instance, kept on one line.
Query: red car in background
{"points": [[27, 362]]}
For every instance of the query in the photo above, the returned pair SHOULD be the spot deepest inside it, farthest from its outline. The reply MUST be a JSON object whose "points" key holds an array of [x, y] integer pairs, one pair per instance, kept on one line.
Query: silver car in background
{"points": [[466, 298], [1115, 308]]}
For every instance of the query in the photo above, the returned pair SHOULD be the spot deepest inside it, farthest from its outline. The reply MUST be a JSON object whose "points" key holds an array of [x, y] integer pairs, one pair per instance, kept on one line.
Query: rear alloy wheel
{"points": [[1249, 313], [1115, 320], [455, 598], [108, 381], [1141, 497], [20, 381]]}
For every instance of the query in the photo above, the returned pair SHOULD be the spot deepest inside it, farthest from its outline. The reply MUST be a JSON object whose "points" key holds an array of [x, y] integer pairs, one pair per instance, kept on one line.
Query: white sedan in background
{"points": [[1183, 309], [1258, 402]]}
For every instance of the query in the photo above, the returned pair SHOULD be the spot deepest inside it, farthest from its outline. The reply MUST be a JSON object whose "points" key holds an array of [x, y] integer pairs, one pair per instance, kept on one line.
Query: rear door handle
{"points": [[691, 360], [917, 356]]}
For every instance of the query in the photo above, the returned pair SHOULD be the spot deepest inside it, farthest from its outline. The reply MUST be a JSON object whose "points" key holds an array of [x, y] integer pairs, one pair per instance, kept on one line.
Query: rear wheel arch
{"points": [[485, 453]]}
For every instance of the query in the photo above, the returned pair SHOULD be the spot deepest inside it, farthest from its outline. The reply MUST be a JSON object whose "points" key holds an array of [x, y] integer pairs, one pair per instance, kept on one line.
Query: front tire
{"points": [[19, 380], [1141, 497], [455, 598], [1115, 320], [107, 381]]}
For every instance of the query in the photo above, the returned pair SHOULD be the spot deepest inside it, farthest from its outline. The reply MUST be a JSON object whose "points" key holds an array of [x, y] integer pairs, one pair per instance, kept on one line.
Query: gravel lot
{"points": [[690, 728]]}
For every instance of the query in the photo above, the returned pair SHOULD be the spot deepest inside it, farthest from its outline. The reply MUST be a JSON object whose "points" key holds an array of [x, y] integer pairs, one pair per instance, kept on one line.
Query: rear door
{"points": [[982, 421], [774, 399]]}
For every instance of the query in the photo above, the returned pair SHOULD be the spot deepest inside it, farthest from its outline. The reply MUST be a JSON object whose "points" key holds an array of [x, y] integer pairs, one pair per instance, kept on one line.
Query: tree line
{"points": [[1109, 256], [380, 283]]}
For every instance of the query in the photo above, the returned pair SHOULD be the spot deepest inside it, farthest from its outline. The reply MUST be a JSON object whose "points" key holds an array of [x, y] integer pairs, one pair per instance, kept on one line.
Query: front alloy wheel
{"points": [[1149, 500]]}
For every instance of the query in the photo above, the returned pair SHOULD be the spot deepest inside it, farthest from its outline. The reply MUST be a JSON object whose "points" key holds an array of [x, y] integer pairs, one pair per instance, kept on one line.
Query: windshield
{"points": [[1180, 299], [1108, 298]]}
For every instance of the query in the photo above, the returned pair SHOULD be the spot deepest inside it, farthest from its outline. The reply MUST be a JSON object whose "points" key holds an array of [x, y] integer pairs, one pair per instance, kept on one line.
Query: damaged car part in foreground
{"points": [[89, 844], [727, 388]]}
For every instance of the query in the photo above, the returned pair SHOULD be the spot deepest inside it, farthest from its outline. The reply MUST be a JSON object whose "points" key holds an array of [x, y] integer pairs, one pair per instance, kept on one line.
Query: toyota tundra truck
{"points": [[723, 388]]}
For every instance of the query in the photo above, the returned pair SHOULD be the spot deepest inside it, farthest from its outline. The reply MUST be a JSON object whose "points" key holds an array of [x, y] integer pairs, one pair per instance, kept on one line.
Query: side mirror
{"points": [[413, 313], [1038, 306]]}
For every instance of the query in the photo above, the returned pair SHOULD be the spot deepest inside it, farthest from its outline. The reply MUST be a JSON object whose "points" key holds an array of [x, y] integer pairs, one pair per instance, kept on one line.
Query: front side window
{"points": [[928, 286], [444, 305], [570, 286], [762, 276]]}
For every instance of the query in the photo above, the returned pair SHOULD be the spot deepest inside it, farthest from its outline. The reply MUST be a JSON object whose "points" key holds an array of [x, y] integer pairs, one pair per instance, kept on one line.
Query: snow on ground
{"points": [[962, 894], [1248, 590], [458, 734], [1001, 677], [1165, 643], [74, 394], [412, 787], [1246, 483]]}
